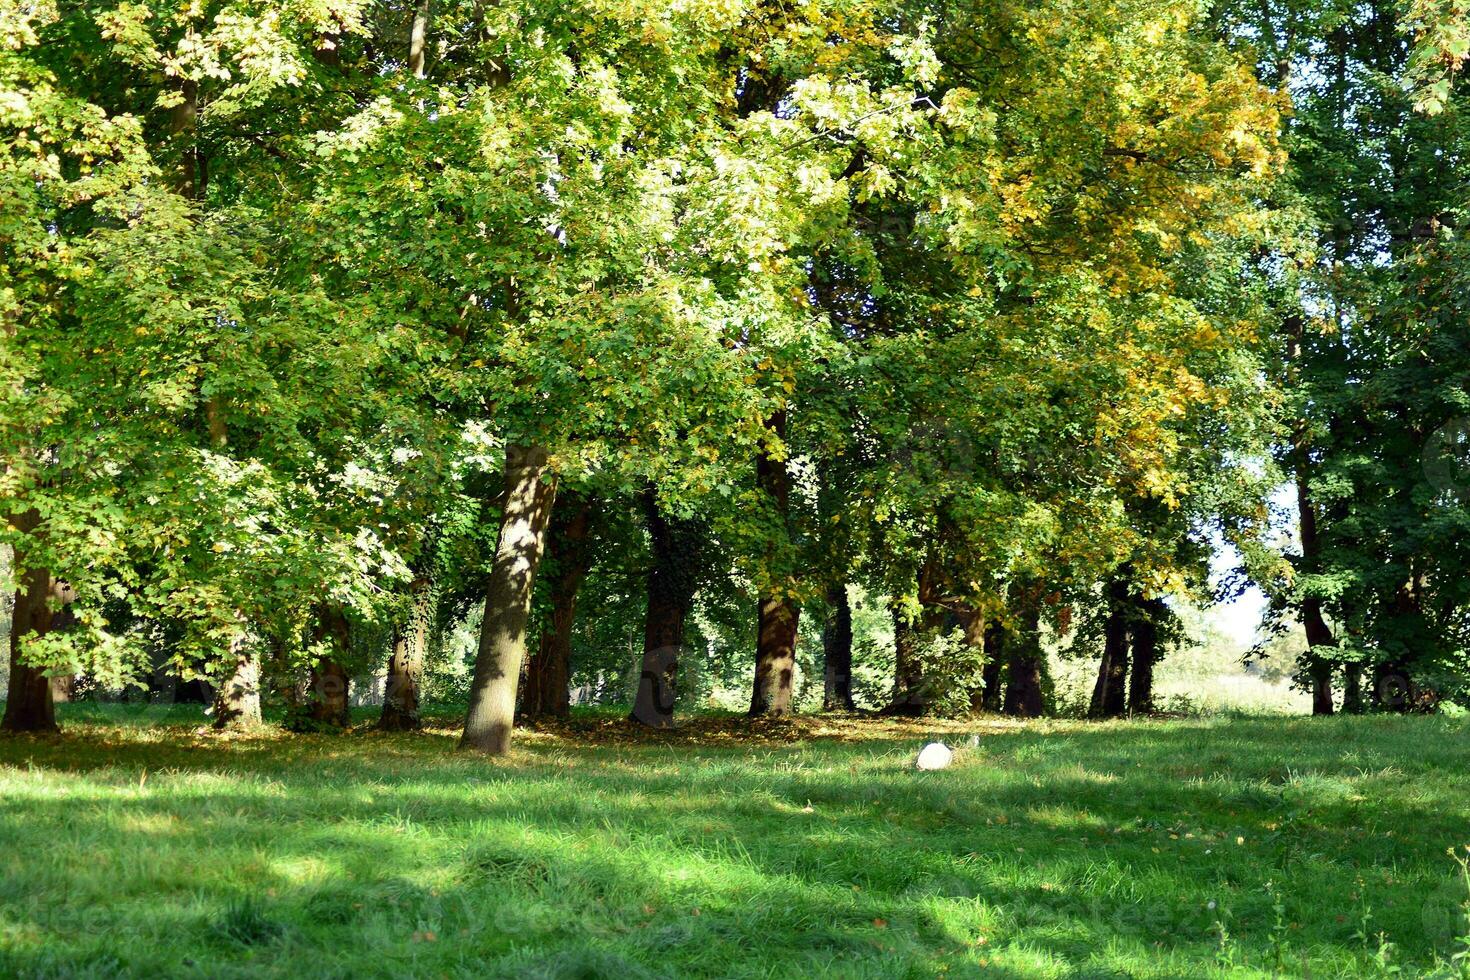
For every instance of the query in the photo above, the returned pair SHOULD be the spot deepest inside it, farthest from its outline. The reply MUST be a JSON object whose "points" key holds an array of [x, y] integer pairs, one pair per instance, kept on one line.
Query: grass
{"points": [[1221, 847]]}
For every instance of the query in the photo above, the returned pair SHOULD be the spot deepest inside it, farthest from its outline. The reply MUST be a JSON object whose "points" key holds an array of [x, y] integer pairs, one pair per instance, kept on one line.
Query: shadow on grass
{"points": [[1058, 850]]}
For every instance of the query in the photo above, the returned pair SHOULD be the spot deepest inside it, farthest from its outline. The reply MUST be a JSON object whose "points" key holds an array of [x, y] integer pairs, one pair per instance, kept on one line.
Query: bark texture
{"points": [[29, 706], [237, 699], [529, 493], [775, 662]]}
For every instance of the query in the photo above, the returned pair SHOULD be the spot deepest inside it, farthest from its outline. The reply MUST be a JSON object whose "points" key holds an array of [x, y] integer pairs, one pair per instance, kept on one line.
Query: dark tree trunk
{"points": [[995, 658], [908, 674], [673, 578], [1025, 696], [1320, 672], [529, 494], [1352, 693], [406, 662], [548, 676], [1110, 693], [775, 651], [237, 699], [1145, 634], [837, 651], [1320, 641], [28, 705], [329, 706], [1393, 687], [193, 692]]}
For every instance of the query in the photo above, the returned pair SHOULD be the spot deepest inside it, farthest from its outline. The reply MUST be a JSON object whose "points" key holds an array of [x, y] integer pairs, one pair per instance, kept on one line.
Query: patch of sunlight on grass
{"points": [[1055, 849]]}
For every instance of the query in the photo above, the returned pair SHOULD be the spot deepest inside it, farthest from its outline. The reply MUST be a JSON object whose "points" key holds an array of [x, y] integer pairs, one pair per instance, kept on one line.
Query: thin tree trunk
{"points": [[837, 651], [548, 676], [1352, 695], [1320, 640], [29, 706], [1025, 697], [775, 652], [907, 675], [1109, 694], [237, 699], [672, 581], [410, 640], [1145, 635], [990, 675], [418, 37], [529, 494], [406, 662], [192, 176]]}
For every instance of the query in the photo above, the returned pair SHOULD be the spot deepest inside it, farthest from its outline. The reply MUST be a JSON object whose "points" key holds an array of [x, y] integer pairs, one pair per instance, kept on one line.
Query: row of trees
{"points": [[321, 322]]}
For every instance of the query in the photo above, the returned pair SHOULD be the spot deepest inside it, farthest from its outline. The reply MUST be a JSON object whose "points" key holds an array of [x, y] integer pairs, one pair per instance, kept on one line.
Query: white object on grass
{"points": [[935, 755]]}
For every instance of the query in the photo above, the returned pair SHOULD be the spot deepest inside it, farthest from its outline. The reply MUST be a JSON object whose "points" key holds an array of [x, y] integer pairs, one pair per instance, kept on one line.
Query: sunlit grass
{"points": [[1151, 849]]}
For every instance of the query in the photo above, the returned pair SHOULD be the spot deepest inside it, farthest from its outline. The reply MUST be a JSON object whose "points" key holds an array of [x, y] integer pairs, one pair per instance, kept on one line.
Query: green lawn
{"points": [[1227, 847]]}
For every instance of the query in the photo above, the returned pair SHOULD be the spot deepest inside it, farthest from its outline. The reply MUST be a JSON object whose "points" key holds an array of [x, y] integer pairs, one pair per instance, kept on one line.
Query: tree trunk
{"points": [[548, 677], [418, 36], [329, 706], [775, 652], [908, 676], [406, 662], [192, 692], [990, 675], [1145, 635], [1320, 672], [775, 659], [1109, 694], [237, 699], [837, 651], [529, 494], [1352, 695], [1393, 687], [1025, 697], [976, 631], [29, 706], [1320, 640], [62, 688], [672, 581]]}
